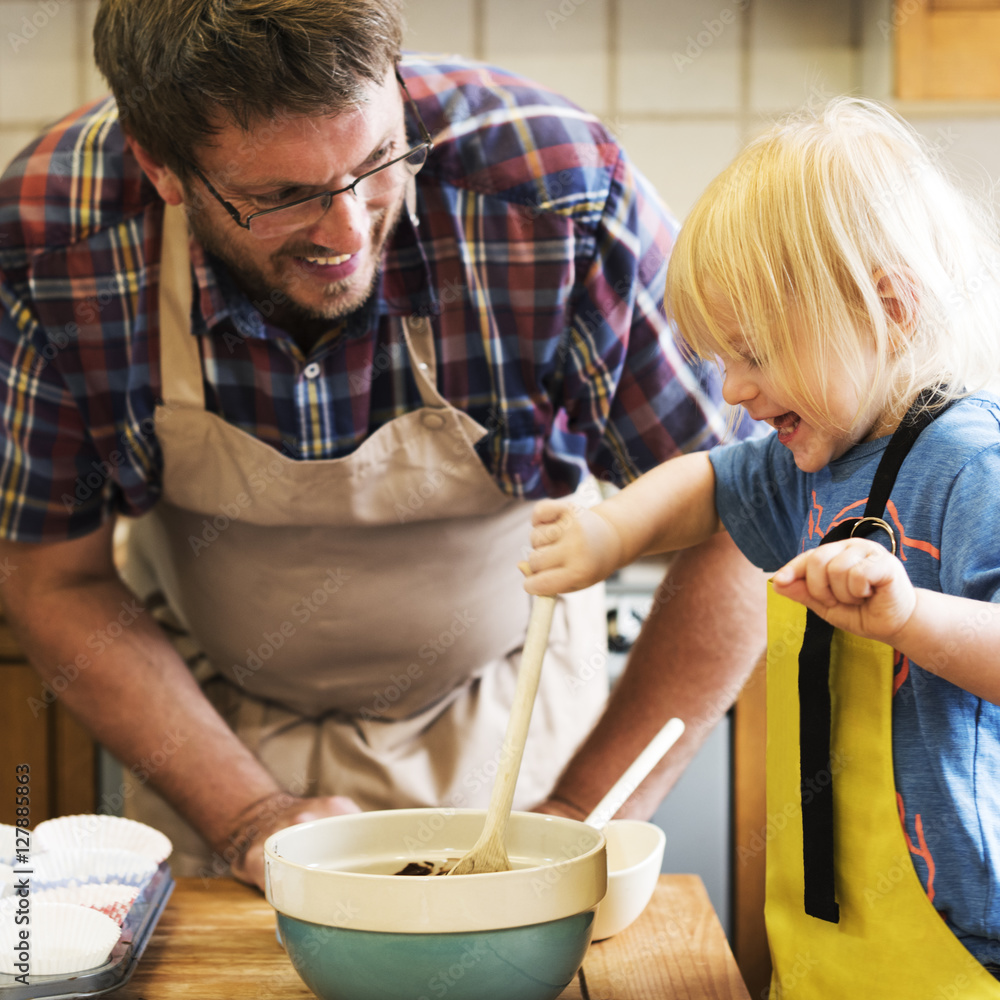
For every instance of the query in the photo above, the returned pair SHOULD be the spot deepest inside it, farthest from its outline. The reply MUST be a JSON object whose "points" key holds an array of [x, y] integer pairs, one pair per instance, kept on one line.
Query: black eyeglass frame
{"points": [[426, 142]]}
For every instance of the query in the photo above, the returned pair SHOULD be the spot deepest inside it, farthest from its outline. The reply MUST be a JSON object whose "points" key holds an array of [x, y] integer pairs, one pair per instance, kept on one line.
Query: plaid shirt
{"points": [[540, 257]]}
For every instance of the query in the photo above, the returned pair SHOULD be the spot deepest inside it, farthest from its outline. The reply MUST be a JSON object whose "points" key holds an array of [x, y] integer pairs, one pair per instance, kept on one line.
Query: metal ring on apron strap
{"points": [[878, 523]]}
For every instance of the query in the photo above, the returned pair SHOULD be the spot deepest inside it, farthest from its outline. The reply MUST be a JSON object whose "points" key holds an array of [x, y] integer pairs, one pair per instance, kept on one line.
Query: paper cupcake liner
{"points": [[69, 868], [110, 898], [64, 938], [94, 832]]}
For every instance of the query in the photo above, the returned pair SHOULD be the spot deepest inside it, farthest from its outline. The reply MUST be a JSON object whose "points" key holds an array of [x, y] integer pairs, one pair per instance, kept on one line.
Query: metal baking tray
{"points": [[137, 929]]}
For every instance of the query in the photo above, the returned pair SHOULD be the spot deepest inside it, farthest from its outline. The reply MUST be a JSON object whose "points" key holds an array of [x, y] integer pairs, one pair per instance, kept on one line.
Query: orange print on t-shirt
{"points": [[856, 509]]}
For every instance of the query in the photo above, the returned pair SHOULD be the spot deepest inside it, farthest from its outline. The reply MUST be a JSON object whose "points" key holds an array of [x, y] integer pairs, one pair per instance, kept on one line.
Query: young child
{"points": [[852, 296]]}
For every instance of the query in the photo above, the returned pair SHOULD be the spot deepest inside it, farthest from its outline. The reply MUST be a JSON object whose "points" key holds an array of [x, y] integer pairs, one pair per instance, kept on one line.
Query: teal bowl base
{"points": [[536, 962]]}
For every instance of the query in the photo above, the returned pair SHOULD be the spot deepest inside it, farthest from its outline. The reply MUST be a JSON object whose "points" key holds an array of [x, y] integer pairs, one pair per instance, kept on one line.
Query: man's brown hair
{"points": [[180, 68]]}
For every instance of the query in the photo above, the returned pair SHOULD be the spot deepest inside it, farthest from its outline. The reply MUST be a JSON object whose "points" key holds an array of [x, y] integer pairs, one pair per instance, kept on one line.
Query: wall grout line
{"points": [[479, 29], [83, 53], [612, 26], [746, 114], [854, 40]]}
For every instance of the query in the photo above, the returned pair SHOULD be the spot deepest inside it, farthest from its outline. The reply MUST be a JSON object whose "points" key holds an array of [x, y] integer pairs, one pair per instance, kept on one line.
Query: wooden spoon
{"points": [[489, 853]]}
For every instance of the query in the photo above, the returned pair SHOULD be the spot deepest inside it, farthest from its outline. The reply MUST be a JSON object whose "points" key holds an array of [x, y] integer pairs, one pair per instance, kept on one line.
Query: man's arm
{"points": [[137, 696], [693, 655]]}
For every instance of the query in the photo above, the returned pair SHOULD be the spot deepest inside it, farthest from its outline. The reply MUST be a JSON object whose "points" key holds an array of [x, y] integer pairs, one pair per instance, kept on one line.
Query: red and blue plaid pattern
{"points": [[540, 258]]}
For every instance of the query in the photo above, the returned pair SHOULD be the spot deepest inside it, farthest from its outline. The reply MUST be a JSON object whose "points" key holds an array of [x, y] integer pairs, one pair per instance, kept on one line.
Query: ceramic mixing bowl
{"points": [[354, 930], [635, 853]]}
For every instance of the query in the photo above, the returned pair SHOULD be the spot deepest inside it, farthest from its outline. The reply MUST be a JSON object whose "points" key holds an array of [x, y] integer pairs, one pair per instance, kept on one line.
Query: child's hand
{"points": [[856, 585], [572, 548]]}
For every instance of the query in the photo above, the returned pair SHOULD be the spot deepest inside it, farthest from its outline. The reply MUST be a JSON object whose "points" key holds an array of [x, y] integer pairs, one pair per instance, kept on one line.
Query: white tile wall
{"points": [[800, 51], [681, 157], [39, 71], [12, 140], [875, 67], [678, 58], [94, 85], [445, 26], [681, 82], [560, 43]]}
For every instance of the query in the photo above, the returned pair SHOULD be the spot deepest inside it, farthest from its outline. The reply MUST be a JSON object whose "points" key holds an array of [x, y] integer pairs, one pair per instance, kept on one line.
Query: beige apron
{"points": [[357, 621]]}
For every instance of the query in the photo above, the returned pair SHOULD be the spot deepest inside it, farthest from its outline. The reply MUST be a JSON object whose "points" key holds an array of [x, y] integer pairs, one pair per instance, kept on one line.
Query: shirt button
{"points": [[311, 370], [432, 421]]}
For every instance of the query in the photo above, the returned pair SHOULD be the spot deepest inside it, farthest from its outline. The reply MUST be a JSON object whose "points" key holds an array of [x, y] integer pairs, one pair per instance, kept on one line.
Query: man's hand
{"points": [[855, 585], [268, 816], [572, 548]]}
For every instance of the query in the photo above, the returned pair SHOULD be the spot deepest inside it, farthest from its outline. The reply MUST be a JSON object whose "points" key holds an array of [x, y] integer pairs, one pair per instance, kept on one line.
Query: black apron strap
{"points": [[816, 774]]}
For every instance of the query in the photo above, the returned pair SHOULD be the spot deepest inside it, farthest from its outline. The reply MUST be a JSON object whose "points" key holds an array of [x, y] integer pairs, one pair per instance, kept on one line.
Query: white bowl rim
{"points": [[317, 895], [660, 837], [270, 845]]}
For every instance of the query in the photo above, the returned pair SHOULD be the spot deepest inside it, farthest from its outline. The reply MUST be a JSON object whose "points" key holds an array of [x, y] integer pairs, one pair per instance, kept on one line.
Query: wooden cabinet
{"points": [[947, 49], [750, 833], [39, 732]]}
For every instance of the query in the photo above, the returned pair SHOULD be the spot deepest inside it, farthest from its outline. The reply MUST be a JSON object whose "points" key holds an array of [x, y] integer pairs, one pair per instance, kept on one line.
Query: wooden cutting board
{"points": [[216, 941]]}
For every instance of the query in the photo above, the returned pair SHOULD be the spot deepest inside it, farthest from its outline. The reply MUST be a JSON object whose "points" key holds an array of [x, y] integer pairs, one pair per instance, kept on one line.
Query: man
{"points": [[327, 319]]}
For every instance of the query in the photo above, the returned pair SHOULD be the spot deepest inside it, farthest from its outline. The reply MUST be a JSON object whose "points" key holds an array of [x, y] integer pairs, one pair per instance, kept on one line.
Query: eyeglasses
{"points": [[370, 186]]}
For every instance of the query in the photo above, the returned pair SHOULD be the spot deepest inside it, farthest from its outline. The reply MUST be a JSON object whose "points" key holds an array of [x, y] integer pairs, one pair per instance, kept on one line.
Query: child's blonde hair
{"points": [[790, 241]]}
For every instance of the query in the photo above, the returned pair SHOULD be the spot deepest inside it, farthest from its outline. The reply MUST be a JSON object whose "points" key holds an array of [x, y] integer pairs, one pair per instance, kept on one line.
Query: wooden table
{"points": [[215, 941]]}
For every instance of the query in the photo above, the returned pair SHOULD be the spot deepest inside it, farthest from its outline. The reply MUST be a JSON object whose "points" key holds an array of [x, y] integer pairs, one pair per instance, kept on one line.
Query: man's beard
{"points": [[278, 303]]}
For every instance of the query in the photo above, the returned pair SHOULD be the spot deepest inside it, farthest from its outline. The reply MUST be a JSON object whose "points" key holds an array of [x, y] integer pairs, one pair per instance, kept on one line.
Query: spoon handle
{"points": [[512, 751], [635, 773]]}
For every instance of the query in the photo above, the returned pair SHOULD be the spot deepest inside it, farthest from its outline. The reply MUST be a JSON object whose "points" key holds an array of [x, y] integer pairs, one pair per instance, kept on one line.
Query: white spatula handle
{"points": [[635, 773]]}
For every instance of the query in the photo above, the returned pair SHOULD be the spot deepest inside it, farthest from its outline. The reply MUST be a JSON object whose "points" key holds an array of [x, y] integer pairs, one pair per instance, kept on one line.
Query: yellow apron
{"points": [[889, 941]]}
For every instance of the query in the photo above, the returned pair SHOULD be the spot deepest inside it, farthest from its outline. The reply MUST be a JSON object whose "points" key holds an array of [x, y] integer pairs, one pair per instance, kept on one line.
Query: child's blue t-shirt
{"points": [[945, 508]]}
